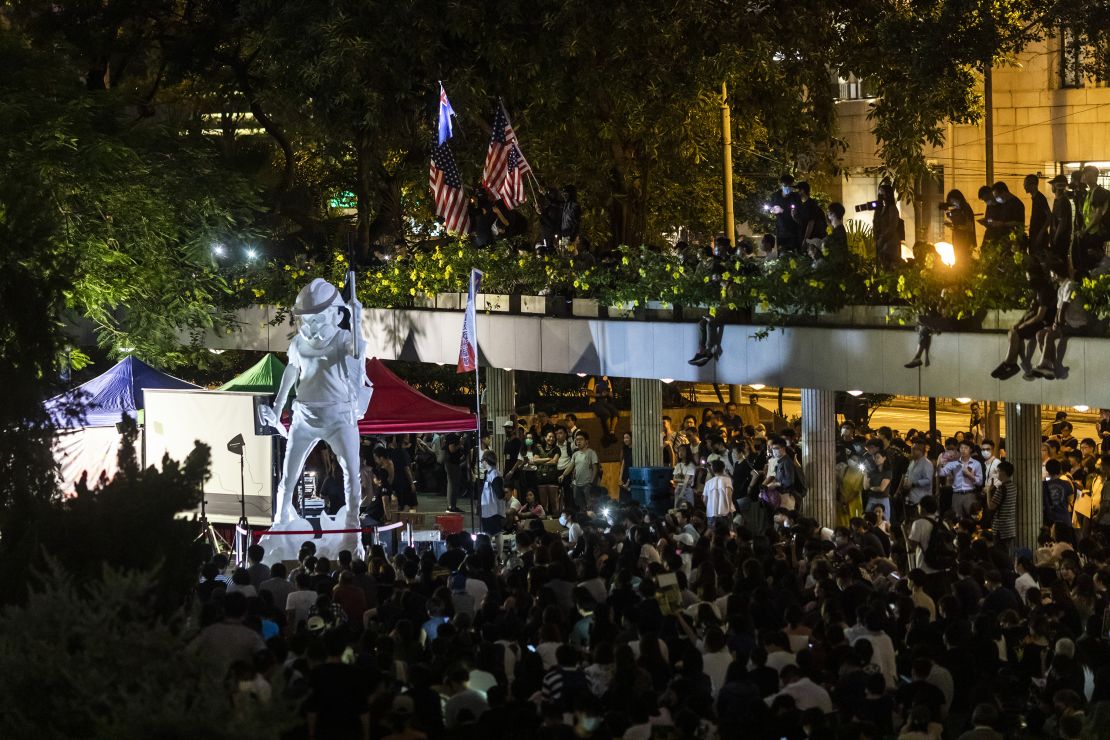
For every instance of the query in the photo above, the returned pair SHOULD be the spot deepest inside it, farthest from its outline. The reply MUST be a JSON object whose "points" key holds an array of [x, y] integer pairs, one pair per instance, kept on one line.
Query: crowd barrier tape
{"points": [[384, 528]]}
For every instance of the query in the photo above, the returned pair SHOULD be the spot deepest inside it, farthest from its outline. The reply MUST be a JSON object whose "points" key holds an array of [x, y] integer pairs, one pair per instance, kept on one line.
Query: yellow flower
{"points": [[712, 310], [287, 268], [412, 291], [624, 260], [786, 277]]}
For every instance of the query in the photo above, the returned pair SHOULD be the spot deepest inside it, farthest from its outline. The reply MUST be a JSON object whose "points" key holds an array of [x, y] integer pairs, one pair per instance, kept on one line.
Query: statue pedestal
{"points": [[283, 541]]}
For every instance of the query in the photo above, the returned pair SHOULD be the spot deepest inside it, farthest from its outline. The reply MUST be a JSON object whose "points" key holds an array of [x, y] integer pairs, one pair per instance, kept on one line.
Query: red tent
{"points": [[398, 408]]}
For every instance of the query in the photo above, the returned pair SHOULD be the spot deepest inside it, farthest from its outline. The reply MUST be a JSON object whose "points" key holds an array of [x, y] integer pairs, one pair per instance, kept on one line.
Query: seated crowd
{"points": [[723, 608]]}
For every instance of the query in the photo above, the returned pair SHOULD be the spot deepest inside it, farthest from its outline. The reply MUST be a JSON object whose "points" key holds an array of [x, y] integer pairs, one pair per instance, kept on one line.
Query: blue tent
{"points": [[107, 397]]}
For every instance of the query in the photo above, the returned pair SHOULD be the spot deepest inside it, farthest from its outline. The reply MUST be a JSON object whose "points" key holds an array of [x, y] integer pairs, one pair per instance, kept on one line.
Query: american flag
{"points": [[447, 190], [505, 164]]}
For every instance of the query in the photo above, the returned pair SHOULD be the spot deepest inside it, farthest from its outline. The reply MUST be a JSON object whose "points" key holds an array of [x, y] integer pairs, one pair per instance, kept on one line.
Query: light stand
{"points": [[242, 529], [208, 532]]}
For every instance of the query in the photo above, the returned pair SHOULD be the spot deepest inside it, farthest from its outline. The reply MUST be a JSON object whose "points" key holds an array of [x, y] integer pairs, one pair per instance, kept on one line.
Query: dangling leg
{"points": [[704, 347], [924, 339], [716, 331]]}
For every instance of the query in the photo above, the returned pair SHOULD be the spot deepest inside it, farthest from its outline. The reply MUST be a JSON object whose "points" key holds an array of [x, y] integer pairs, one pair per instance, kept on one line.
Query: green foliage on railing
{"points": [[783, 290]]}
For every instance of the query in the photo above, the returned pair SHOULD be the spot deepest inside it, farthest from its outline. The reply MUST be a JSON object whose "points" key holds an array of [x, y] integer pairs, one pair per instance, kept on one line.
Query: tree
{"points": [[926, 58], [128, 524], [94, 659]]}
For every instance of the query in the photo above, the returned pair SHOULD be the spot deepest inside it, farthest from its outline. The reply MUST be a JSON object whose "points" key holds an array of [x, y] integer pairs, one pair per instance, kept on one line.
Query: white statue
{"points": [[327, 366]]}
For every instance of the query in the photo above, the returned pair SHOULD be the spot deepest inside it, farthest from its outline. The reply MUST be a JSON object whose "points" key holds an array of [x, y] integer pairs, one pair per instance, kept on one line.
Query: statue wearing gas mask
{"points": [[327, 366]]}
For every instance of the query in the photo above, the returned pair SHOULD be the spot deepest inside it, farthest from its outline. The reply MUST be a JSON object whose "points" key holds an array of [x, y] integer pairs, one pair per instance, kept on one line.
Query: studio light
{"points": [[946, 252], [235, 444]]}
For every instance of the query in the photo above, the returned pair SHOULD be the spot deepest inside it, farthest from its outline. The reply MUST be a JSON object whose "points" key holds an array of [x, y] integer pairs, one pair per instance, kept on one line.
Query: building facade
{"points": [[1048, 119]]}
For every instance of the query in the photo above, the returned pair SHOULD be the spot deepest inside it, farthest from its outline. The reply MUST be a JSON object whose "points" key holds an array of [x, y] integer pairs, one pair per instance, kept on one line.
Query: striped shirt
{"points": [[1004, 500]]}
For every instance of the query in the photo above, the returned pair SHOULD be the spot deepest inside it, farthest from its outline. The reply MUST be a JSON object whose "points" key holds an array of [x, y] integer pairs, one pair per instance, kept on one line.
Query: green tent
{"points": [[263, 377]]}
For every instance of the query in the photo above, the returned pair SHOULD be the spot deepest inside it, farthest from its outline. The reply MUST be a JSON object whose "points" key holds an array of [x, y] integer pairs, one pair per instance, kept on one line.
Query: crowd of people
{"points": [[723, 609]]}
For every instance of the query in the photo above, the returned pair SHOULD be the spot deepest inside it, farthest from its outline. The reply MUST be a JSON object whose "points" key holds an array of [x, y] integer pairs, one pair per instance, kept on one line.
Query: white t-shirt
{"points": [[715, 665], [1074, 316], [920, 532], [806, 695], [718, 496], [300, 602]]}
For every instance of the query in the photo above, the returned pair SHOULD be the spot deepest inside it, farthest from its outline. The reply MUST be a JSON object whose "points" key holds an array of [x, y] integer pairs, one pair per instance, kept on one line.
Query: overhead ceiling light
{"points": [[963, 400], [855, 393], [1082, 408], [581, 375], [756, 386], [666, 380]]}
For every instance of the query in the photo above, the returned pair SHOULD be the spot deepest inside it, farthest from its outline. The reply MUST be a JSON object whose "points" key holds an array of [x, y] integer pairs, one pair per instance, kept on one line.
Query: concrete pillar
{"points": [[819, 454], [647, 422], [498, 403], [1023, 450]]}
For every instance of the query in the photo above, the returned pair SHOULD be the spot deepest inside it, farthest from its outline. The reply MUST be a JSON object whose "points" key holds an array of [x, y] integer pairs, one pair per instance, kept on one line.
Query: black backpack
{"points": [[800, 489], [940, 552]]}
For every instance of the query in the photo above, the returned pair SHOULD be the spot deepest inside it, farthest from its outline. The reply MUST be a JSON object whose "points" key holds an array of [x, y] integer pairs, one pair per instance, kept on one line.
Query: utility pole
{"points": [[726, 133], [988, 120], [992, 419]]}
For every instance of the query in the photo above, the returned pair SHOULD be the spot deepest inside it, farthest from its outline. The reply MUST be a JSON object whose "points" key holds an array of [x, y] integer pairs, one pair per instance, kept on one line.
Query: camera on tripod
{"points": [[868, 206]]}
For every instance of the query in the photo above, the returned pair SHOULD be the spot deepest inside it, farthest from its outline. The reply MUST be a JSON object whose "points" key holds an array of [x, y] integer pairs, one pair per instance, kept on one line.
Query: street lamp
{"points": [[252, 253], [218, 250]]}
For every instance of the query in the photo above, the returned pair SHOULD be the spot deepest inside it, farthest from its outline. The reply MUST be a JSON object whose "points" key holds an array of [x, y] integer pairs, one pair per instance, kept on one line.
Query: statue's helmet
{"points": [[316, 297]]}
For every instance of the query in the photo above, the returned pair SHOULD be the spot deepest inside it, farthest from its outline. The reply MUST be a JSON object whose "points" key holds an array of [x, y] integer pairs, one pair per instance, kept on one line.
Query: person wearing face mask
{"points": [[990, 468], [783, 203], [1010, 216], [781, 474], [993, 229], [1092, 223]]}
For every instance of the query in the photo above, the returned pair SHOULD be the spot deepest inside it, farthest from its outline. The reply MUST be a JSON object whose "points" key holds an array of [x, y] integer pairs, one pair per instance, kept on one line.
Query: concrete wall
{"points": [[804, 357], [830, 358]]}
